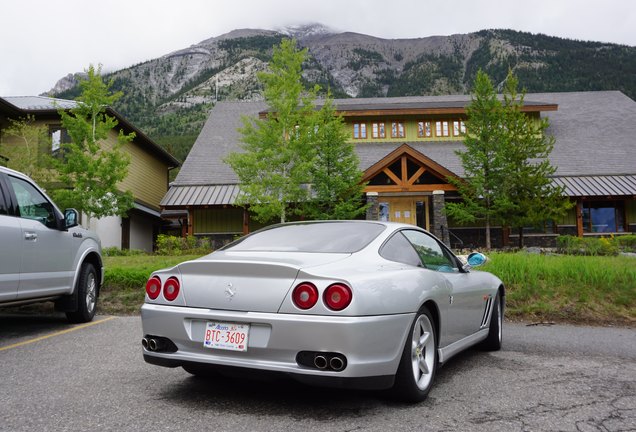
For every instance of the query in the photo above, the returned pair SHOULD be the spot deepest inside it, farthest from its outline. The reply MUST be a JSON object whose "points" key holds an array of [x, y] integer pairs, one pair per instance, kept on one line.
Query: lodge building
{"points": [[407, 150]]}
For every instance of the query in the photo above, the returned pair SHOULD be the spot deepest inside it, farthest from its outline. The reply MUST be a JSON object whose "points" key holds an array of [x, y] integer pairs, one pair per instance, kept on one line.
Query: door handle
{"points": [[30, 236]]}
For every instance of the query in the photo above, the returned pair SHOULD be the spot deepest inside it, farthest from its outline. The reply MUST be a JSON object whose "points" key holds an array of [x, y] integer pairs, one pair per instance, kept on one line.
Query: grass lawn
{"points": [[577, 289], [125, 280]]}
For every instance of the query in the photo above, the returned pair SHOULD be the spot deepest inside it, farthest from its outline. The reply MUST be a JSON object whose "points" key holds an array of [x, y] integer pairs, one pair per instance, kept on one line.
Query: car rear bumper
{"points": [[372, 345]]}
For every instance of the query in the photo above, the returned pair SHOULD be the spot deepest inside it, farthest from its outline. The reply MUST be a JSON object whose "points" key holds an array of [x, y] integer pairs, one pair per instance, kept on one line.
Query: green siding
{"points": [[630, 209], [569, 218], [218, 220]]}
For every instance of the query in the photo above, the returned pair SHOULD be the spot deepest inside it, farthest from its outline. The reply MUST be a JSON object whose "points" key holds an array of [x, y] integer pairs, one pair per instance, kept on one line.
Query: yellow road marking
{"points": [[59, 333]]}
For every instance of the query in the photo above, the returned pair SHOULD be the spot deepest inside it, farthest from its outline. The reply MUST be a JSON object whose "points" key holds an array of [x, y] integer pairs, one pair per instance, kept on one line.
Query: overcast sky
{"points": [[44, 40]]}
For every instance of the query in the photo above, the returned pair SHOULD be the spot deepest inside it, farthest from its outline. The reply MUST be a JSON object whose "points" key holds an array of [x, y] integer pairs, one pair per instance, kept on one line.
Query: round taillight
{"points": [[305, 295], [171, 288], [153, 287], [337, 296]]}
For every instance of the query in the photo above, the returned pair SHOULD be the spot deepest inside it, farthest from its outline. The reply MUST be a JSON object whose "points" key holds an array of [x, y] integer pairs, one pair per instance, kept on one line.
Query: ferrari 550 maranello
{"points": [[358, 304]]}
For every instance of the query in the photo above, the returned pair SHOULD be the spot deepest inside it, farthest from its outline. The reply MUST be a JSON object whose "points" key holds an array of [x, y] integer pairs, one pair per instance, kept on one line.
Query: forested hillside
{"points": [[169, 97]]}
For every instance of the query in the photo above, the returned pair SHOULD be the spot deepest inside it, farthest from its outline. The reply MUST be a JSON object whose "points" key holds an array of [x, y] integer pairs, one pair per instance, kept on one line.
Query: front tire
{"points": [[418, 365], [87, 290]]}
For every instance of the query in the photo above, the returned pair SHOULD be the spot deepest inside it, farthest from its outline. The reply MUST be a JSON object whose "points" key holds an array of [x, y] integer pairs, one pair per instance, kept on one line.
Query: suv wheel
{"points": [[86, 295]]}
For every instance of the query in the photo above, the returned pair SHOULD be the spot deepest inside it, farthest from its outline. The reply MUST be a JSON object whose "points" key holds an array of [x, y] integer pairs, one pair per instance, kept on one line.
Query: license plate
{"points": [[226, 336]]}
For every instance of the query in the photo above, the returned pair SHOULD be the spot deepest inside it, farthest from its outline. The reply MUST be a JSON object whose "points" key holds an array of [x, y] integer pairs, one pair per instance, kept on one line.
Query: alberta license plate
{"points": [[226, 336]]}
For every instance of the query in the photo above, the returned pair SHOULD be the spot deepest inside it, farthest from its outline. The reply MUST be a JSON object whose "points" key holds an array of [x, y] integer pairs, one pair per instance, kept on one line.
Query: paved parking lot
{"points": [[60, 377]]}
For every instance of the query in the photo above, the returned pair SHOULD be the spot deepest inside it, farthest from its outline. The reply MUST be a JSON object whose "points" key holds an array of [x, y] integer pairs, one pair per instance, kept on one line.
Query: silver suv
{"points": [[44, 254]]}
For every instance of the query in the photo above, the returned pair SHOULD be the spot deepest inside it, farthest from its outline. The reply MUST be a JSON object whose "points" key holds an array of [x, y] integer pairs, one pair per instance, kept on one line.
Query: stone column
{"points": [[440, 222], [373, 211]]}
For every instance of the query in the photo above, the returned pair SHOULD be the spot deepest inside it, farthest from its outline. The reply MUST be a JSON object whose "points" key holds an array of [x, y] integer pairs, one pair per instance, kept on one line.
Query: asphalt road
{"points": [[59, 377]]}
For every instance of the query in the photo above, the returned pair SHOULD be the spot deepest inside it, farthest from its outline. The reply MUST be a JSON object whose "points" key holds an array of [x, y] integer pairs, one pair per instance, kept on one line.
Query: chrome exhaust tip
{"points": [[320, 362], [144, 343], [153, 345], [336, 363]]}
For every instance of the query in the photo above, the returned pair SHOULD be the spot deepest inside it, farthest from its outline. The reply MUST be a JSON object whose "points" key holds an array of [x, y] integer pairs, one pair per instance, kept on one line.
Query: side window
{"points": [[433, 255], [398, 248], [31, 203]]}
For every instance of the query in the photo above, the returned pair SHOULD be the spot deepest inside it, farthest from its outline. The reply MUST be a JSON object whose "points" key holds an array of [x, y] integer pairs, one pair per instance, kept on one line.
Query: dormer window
{"points": [[359, 130], [378, 131], [397, 129], [441, 128], [459, 128], [424, 129]]}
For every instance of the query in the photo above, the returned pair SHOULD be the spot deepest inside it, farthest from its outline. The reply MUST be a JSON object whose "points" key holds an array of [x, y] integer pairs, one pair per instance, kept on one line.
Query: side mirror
{"points": [[71, 218], [476, 259]]}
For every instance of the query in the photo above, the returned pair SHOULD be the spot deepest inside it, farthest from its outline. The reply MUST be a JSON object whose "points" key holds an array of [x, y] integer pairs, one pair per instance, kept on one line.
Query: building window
{"points": [[424, 129], [378, 130], [359, 130], [397, 130], [603, 216], [459, 128], [441, 128], [58, 136]]}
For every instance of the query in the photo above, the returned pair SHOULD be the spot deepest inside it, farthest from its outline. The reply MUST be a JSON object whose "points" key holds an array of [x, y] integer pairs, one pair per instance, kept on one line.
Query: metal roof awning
{"points": [[598, 186], [200, 195]]}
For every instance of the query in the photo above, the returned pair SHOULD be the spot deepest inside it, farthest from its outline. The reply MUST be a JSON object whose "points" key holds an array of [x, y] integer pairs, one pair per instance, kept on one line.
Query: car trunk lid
{"points": [[245, 281]]}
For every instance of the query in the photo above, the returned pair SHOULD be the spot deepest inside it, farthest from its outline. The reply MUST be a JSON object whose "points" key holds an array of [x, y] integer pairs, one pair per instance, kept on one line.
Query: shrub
{"points": [[115, 251], [627, 243], [594, 246], [191, 245]]}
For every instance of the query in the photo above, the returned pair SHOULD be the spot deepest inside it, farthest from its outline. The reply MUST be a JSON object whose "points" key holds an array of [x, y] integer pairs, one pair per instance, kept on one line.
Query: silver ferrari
{"points": [[358, 304]]}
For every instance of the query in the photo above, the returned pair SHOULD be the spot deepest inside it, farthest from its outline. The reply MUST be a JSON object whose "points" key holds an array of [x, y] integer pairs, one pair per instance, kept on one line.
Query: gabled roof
{"points": [[46, 106], [595, 136]]}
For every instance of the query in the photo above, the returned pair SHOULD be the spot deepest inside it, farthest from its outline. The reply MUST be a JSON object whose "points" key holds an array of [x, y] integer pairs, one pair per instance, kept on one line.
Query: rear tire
{"points": [[495, 333], [418, 364], [87, 290]]}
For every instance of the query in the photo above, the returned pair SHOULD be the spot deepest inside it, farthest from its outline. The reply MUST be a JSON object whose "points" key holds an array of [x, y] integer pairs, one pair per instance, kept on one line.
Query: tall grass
{"points": [[573, 288], [125, 280]]}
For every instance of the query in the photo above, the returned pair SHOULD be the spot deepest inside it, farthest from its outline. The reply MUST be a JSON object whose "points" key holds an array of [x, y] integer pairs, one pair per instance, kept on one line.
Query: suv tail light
{"points": [[305, 295], [153, 287], [171, 288], [337, 296]]}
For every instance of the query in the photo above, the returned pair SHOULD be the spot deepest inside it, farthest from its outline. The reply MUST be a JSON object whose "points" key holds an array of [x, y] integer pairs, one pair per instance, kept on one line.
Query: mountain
{"points": [[169, 97]]}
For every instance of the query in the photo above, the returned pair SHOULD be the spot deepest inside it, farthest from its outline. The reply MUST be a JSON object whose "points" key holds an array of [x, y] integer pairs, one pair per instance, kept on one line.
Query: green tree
{"points": [[27, 146], [337, 185], [483, 160], [506, 166], [532, 196], [297, 160], [276, 160], [91, 166]]}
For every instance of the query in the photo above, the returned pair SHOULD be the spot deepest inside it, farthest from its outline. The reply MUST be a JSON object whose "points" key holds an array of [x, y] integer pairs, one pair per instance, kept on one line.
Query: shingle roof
{"points": [[40, 103], [595, 137]]}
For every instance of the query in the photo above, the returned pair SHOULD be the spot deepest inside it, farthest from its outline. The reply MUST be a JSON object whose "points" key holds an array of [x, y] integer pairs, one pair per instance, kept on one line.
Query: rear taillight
{"points": [[305, 295], [337, 296], [171, 288], [153, 287]]}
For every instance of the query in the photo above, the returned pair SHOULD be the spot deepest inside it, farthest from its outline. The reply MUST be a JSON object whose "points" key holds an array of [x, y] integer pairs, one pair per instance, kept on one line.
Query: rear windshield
{"points": [[332, 237]]}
